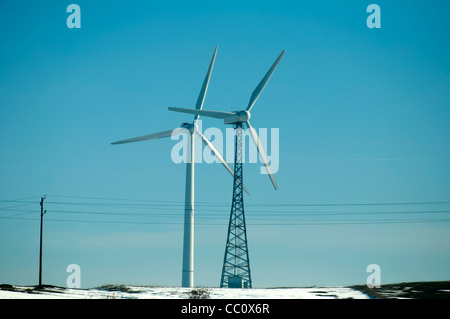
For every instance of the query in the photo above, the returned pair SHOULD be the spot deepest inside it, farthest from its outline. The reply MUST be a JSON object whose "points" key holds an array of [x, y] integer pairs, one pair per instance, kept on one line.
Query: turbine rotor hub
{"points": [[238, 117], [244, 115], [188, 126]]}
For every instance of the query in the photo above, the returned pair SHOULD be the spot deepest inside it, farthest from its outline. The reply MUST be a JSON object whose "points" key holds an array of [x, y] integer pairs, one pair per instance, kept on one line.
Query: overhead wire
{"points": [[298, 223], [258, 215]]}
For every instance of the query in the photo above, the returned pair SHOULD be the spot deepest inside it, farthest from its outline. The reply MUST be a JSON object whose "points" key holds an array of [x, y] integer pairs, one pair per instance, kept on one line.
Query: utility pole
{"points": [[40, 245]]}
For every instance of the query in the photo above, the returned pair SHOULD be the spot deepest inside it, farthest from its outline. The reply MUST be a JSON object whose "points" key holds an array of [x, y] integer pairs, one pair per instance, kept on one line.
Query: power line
{"points": [[18, 200], [181, 204], [296, 223], [252, 213], [280, 216]]}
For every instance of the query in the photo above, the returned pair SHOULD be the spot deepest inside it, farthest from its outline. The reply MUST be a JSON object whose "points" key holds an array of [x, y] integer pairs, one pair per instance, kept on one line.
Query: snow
{"points": [[444, 290], [135, 292]]}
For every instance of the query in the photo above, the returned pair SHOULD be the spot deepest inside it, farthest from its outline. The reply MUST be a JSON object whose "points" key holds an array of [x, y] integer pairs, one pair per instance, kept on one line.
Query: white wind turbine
{"points": [[191, 129], [243, 116]]}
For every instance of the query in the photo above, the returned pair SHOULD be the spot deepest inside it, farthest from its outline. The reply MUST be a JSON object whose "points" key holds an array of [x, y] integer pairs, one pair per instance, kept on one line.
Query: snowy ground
{"points": [[132, 292]]}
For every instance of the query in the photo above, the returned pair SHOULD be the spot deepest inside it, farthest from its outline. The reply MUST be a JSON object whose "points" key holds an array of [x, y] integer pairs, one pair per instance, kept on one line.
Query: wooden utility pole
{"points": [[40, 245]]}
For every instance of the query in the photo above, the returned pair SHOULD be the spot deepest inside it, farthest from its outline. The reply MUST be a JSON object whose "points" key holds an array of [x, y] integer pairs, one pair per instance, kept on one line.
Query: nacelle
{"points": [[238, 117]]}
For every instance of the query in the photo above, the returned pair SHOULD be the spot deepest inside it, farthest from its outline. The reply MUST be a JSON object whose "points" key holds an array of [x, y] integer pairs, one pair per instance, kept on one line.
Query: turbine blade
{"points": [[261, 153], [218, 155], [257, 92], [153, 136], [201, 97], [215, 114]]}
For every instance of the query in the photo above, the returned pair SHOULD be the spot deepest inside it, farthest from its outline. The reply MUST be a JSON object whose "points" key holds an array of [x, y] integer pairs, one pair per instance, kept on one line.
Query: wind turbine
{"points": [[190, 129], [236, 263], [243, 116]]}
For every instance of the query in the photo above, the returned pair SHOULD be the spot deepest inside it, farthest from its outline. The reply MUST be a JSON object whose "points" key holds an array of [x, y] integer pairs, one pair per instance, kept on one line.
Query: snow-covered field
{"points": [[133, 292]]}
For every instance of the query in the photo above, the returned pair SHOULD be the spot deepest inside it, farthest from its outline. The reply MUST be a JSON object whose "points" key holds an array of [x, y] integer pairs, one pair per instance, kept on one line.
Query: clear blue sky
{"points": [[363, 116]]}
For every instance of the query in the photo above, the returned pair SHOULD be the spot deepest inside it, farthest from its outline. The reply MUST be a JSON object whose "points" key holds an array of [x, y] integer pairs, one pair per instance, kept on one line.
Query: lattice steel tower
{"points": [[236, 262]]}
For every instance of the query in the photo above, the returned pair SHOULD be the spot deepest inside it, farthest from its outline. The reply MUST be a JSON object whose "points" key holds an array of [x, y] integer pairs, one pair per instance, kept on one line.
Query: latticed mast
{"points": [[236, 262]]}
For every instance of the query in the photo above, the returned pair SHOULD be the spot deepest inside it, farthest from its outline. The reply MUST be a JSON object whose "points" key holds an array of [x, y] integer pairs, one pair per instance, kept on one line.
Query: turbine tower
{"points": [[236, 261], [190, 129], [236, 264]]}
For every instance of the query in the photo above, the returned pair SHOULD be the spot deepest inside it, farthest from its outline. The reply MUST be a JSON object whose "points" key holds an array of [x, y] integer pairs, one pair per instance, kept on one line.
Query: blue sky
{"points": [[363, 116]]}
